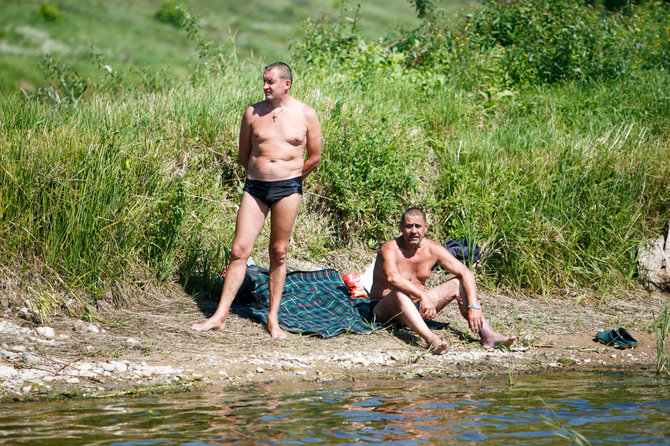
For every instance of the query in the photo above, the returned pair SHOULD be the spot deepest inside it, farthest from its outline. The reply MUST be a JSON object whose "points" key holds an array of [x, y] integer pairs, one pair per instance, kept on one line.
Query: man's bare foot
{"points": [[438, 345], [276, 332], [497, 340], [209, 324]]}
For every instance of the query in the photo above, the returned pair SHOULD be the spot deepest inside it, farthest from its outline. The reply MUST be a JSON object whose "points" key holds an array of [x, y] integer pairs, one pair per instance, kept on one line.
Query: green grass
{"points": [[131, 39], [136, 181]]}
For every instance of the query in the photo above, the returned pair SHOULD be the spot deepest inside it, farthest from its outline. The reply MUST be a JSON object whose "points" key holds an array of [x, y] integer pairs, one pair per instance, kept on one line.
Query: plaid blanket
{"points": [[313, 302]]}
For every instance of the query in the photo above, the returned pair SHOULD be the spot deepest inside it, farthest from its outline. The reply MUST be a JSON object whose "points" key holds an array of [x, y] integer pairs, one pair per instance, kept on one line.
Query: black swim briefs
{"points": [[270, 192]]}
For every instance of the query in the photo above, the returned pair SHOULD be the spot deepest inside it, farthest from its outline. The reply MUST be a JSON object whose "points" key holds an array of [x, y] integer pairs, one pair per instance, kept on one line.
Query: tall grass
{"points": [[560, 180], [662, 350]]}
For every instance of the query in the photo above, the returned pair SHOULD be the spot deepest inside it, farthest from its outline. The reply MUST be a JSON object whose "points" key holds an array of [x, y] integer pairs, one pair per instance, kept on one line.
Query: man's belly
{"points": [[268, 169]]}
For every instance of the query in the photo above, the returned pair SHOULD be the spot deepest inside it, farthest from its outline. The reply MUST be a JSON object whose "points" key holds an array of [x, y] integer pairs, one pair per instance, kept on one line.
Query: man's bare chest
{"points": [[265, 132]]}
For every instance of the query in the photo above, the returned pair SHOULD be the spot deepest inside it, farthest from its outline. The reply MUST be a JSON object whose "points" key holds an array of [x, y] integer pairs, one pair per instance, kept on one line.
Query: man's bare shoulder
{"points": [[391, 245], [258, 109], [433, 245]]}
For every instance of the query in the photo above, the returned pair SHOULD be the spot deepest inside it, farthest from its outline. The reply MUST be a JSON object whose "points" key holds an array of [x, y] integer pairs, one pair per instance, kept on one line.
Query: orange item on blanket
{"points": [[353, 281]]}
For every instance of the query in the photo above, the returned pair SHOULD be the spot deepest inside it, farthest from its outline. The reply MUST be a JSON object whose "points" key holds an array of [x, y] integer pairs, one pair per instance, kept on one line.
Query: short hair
{"points": [[283, 70], [415, 212]]}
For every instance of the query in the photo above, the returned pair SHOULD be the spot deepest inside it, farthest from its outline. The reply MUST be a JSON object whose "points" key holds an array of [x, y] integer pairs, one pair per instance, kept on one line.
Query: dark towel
{"points": [[462, 251], [313, 302]]}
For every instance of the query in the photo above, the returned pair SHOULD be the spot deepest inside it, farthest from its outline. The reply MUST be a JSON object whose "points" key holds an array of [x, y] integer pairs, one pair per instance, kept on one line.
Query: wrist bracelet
{"points": [[475, 306]]}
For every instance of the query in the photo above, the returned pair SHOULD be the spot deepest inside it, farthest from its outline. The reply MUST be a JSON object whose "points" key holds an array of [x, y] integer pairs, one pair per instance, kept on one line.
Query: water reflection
{"points": [[540, 409]]}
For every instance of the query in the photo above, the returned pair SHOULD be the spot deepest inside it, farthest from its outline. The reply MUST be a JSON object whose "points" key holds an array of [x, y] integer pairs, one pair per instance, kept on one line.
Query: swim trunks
{"points": [[270, 192]]}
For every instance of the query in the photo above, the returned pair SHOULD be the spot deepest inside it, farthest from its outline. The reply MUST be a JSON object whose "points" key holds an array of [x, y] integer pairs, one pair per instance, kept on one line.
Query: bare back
{"points": [[274, 142]]}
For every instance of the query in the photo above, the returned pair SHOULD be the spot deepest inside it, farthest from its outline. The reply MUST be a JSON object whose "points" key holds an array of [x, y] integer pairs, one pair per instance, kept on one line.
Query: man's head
{"points": [[277, 80], [413, 226]]}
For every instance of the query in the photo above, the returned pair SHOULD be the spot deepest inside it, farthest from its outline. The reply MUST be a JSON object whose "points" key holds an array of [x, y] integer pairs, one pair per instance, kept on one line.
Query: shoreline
{"points": [[149, 348]]}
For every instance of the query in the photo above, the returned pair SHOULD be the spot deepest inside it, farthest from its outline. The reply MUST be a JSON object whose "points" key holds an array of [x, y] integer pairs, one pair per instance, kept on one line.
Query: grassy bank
{"points": [[560, 179], [140, 39]]}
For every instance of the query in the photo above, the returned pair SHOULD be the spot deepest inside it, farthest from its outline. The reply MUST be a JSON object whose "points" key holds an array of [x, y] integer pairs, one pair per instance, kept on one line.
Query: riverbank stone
{"points": [[46, 332]]}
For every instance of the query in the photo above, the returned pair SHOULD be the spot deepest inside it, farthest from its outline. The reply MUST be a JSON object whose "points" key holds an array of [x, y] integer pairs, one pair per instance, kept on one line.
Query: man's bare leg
{"points": [[452, 289], [282, 218], [250, 219], [397, 305]]}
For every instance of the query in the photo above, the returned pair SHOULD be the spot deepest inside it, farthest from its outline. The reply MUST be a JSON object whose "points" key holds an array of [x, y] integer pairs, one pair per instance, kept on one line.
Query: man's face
{"points": [[413, 230], [274, 86]]}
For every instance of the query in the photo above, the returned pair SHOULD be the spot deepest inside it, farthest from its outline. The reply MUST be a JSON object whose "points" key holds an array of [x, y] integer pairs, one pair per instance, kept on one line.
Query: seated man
{"points": [[398, 290]]}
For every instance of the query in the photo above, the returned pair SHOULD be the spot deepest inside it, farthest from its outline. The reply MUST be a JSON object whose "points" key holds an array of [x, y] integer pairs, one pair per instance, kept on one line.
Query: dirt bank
{"points": [[148, 345]]}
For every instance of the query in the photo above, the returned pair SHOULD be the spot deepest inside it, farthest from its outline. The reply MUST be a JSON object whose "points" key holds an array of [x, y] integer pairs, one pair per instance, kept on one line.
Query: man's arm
{"points": [[453, 265], [399, 282], [313, 142], [245, 139]]}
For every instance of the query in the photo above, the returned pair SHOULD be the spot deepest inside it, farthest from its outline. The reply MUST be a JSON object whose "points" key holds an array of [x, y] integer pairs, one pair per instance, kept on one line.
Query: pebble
{"points": [[93, 329], [46, 332], [80, 327], [7, 371], [30, 359]]}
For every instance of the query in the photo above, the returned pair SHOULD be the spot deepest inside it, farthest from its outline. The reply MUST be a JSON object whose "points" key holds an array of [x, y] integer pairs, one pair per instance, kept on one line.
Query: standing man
{"points": [[274, 136], [398, 285]]}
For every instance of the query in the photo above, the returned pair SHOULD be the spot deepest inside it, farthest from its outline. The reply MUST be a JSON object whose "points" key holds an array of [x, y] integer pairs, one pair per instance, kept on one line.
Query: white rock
{"points": [[260, 370], [46, 332], [84, 366], [27, 389], [93, 329], [108, 366], [73, 381], [7, 371], [121, 367]]}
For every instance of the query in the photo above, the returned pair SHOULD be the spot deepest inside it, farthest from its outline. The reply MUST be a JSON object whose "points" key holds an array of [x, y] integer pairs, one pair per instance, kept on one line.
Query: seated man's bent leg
{"points": [[453, 289], [250, 219], [282, 219], [398, 306]]}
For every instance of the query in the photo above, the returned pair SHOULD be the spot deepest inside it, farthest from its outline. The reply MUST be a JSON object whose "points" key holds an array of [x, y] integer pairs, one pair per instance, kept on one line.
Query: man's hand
{"points": [[475, 319], [427, 310]]}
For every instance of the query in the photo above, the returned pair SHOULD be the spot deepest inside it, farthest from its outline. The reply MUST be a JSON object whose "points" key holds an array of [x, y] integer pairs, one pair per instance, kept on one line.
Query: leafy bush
{"points": [[171, 12], [369, 176], [49, 12], [510, 42]]}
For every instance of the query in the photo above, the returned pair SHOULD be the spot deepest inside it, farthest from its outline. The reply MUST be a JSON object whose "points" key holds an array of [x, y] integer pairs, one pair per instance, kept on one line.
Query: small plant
{"points": [[511, 374], [422, 355], [662, 350], [49, 12], [171, 12], [566, 433], [71, 84]]}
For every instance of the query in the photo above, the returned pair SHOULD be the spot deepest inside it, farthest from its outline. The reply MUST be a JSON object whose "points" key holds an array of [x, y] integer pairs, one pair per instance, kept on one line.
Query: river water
{"points": [[570, 408]]}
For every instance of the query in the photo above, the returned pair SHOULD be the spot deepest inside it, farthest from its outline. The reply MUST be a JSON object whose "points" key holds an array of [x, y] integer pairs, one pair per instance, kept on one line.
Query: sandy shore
{"points": [[148, 346]]}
